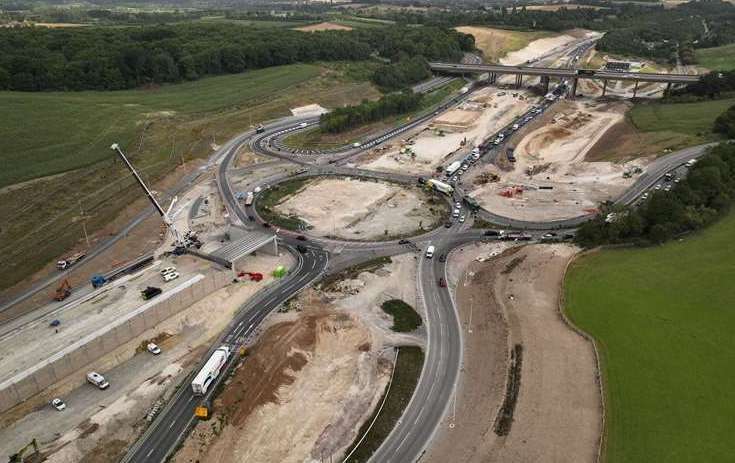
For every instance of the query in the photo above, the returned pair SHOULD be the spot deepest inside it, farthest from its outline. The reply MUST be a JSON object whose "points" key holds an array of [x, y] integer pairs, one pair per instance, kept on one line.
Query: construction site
{"points": [[359, 209]]}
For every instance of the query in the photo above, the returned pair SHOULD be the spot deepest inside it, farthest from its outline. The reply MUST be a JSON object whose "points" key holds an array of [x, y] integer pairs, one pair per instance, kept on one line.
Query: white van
{"points": [[455, 214], [97, 379], [430, 252]]}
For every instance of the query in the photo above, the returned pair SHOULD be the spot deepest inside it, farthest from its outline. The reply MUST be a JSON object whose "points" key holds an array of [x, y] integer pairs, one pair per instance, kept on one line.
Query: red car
{"points": [[442, 283]]}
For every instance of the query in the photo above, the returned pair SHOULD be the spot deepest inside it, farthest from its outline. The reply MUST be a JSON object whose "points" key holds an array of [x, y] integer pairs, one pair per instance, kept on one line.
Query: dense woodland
{"points": [[650, 31], [341, 119], [701, 197], [33, 59], [725, 123]]}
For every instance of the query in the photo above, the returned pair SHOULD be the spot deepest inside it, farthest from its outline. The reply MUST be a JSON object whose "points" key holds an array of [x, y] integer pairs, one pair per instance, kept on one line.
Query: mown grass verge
{"points": [[273, 196], [405, 377], [405, 318]]}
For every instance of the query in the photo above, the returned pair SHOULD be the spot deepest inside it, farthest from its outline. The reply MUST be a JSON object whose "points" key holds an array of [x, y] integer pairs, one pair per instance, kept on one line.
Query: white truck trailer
{"points": [[441, 186], [249, 198], [452, 168], [210, 371]]}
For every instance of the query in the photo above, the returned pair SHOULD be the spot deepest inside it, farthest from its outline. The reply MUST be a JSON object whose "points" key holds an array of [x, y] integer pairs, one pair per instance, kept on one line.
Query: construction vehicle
{"points": [[24, 457], [253, 276], [180, 241], [202, 412], [98, 281], [64, 264], [150, 292], [63, 291], [452, 168], [98, 380]]}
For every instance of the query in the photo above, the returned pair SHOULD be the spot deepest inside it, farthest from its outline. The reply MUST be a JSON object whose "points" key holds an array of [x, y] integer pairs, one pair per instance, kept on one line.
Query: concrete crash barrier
{"points": [[88, 349]]}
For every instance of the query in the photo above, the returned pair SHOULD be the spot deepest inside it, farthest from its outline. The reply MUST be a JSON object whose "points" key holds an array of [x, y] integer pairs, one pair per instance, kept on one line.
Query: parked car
{"points": [[167, 270], [153, 348], [170, 276], [58, 404]]}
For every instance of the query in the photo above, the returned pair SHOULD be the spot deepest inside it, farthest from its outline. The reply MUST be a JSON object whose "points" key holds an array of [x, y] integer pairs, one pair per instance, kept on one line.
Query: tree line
{"points": [[649, 31], [348, 117], [98, 58], [704, 195]]}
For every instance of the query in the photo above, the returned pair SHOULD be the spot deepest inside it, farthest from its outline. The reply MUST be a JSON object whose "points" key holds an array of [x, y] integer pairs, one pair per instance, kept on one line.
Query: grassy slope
{"points": [[407, 371], [689, 119], [719, 58], [663, 319], [45, 133]]}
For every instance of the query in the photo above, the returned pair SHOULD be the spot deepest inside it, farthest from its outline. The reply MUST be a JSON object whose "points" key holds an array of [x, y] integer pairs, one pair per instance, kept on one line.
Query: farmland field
{"points": [[717, 58], [662, 319], [56, 145]]}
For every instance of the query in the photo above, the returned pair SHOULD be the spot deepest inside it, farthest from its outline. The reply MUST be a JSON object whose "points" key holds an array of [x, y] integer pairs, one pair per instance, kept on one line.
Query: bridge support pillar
{"points": [[573, 93], [667, 92], [493, 77], [519, 80], [635, 89], [604, 87], [545, 84]]}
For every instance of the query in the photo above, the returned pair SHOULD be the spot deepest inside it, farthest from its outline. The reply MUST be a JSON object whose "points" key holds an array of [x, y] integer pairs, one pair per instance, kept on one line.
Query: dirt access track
{"points": [[507, 300], [316, 374], [551, 178], [363, 209]]}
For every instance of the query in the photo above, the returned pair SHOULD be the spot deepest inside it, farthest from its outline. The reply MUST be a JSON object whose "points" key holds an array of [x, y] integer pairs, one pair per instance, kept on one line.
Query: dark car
{"points": [[302, 249], [491, 233], [447, 224], [403, 241], [443, 258], [301, 238], [266, 225], [442, 283]]}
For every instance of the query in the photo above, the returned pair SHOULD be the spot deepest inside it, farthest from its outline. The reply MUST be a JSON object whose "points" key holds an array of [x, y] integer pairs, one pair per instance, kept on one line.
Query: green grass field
{"points": [[663, 319], [48, 133], [717, 58], [405, 318], [69, 133], [694, 119]]}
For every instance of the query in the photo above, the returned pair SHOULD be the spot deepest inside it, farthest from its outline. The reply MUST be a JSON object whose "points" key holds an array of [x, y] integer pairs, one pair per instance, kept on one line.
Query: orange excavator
{"points": [[63, 291]]}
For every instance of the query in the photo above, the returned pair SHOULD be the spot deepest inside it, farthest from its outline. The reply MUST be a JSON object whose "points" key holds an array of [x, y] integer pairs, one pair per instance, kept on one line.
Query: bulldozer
{"points": [[63, 291]]}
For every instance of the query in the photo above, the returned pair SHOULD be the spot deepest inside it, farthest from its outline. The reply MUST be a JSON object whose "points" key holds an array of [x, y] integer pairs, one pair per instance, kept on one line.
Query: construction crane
{"points": [[181, 242]]}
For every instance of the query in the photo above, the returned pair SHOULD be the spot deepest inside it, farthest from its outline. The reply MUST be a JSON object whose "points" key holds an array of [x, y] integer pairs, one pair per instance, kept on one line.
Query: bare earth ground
{"points": [[472, 121], [355, 209], [328, 354], [553, 155], [325, 26], [557, 416], [96, 422], [535, 49]]}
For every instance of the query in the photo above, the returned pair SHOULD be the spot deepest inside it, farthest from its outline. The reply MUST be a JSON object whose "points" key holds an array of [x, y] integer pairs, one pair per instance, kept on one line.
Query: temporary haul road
{"points": [[440, 372]]}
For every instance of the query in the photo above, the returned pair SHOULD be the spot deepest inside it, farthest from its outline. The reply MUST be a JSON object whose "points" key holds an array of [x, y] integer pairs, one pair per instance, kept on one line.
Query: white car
{"points": [[303, 124], [457, 205], [461, 219], [171, 276], [167, 270], [58, 404], [153, 348]]}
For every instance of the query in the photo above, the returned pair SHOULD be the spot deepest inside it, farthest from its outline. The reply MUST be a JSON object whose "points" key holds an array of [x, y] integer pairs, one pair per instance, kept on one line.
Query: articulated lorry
{"points": [[210, 370], [441, 186], [64, 264]]}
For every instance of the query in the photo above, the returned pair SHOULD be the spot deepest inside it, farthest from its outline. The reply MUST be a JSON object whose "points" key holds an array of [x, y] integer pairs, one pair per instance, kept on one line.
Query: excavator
{"points": [[63, 291], [23, 456]]}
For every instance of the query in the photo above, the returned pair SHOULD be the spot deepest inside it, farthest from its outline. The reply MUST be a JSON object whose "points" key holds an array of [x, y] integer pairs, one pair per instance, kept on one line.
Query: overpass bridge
{"points": [[573, 75]]}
